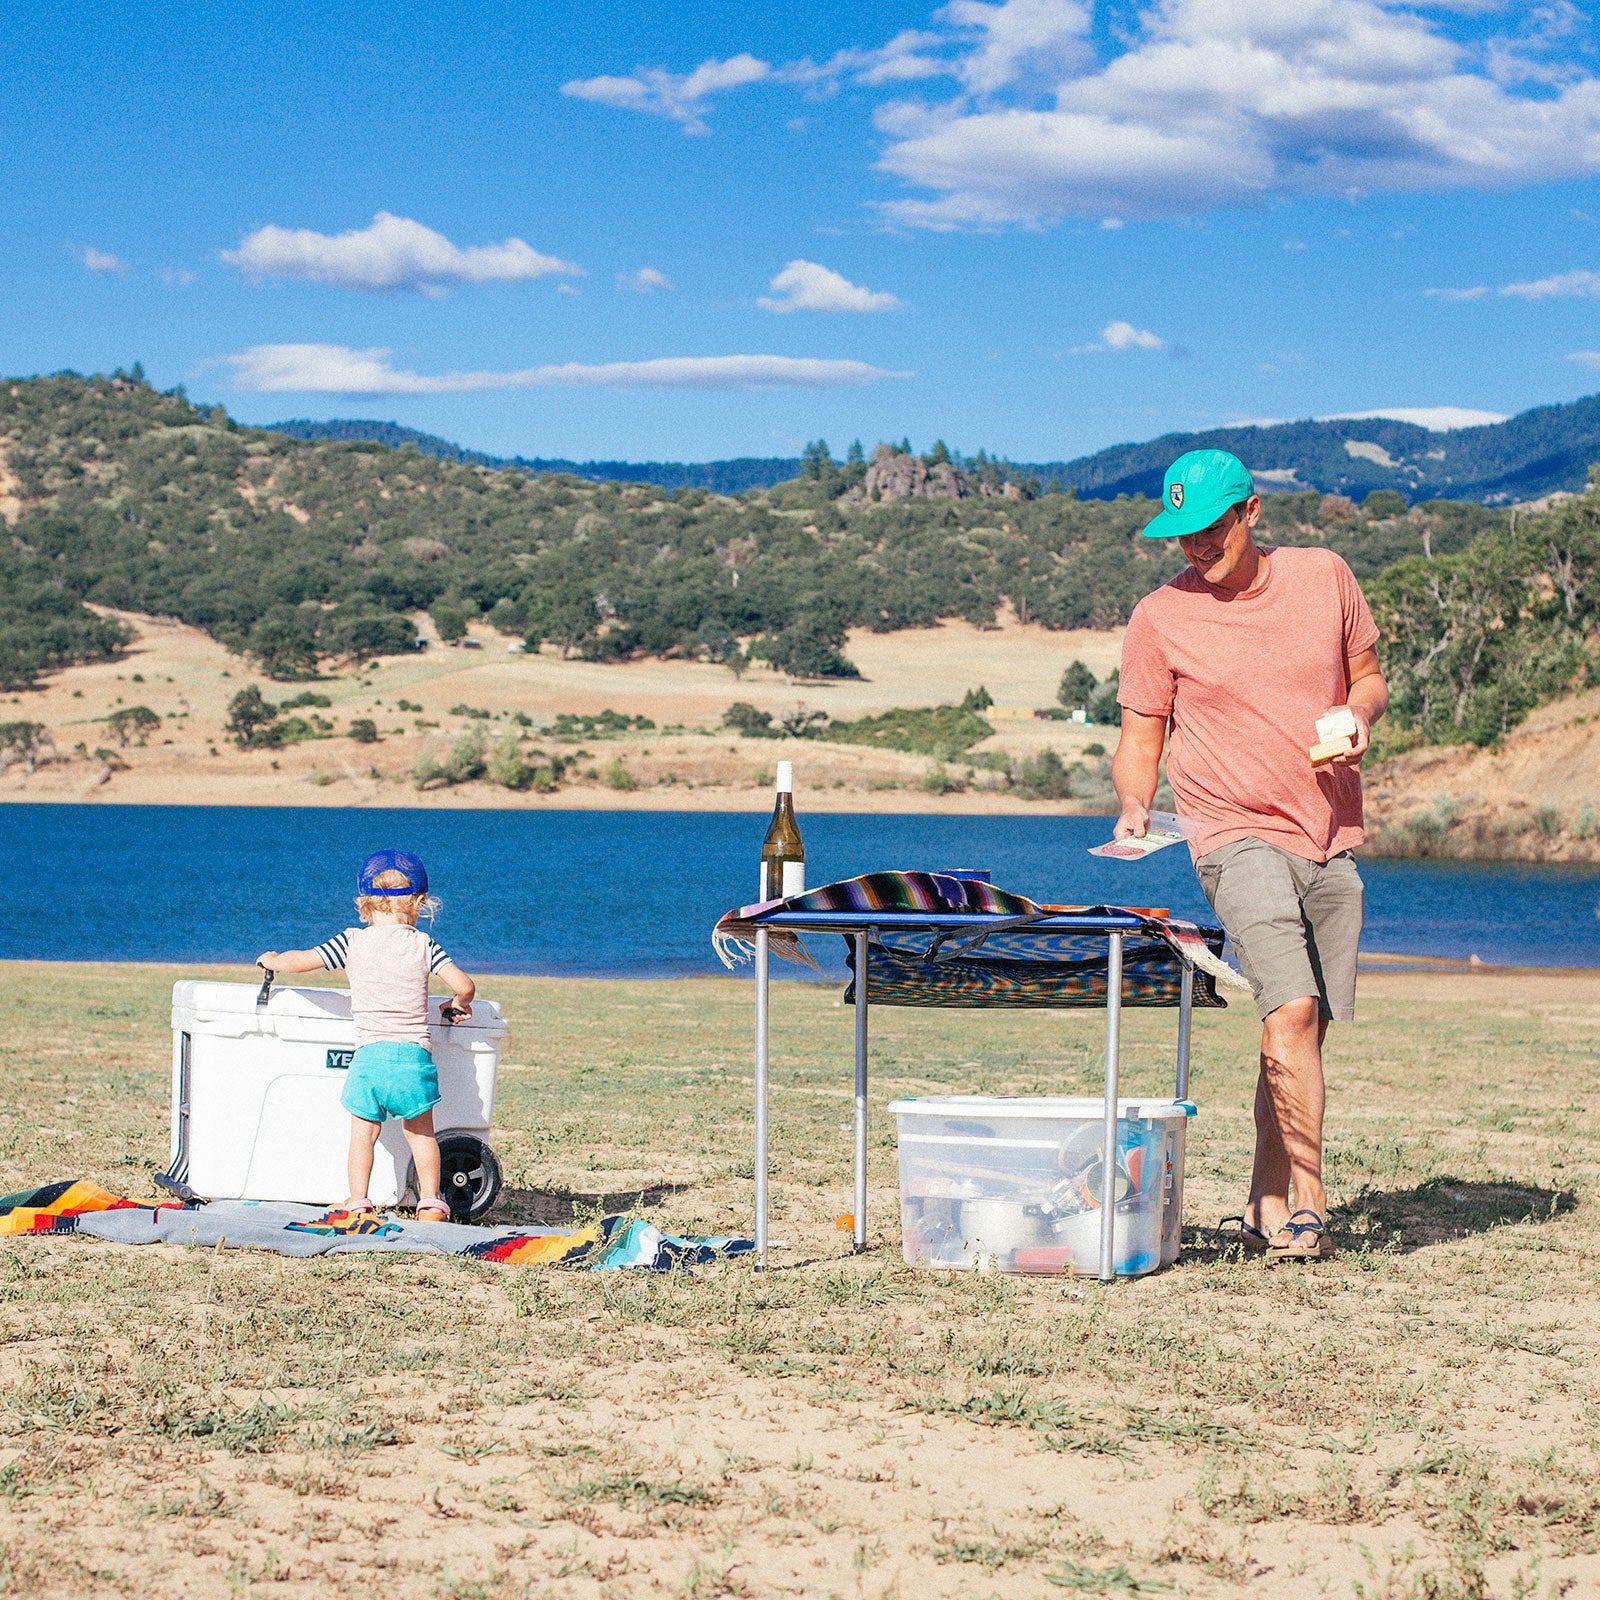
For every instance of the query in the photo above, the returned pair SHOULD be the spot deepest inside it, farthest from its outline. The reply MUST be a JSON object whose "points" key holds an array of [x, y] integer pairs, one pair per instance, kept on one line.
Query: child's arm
{"points": [[290, 960], [461, 986]]}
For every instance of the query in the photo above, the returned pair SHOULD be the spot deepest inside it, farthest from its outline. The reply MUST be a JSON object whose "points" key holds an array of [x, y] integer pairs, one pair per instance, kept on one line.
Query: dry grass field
{"points": [[1414, 1420], [187, 679]]}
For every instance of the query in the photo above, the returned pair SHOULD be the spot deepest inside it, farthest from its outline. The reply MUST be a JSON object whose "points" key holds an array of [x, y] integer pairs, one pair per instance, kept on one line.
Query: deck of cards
{"points": [[1336, 735], [1164, 828]]}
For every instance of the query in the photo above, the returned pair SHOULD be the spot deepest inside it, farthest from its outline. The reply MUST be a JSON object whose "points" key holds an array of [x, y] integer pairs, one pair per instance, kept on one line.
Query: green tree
{"points": [[1384, 503], [24, 742], [978, 699], [816, 463], [450, 618], [364, 730], [253, 721], [855, 456], [1078, 684], [1045, 777], [285, 649], [133, 722]]}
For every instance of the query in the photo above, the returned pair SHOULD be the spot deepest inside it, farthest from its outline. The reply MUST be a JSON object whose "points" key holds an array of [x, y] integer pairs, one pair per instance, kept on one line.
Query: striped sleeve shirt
{"points": [[335, 952]]}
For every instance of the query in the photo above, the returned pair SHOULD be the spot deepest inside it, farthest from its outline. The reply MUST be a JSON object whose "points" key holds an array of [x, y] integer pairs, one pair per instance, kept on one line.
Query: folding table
{"points": [[1024, 956]]}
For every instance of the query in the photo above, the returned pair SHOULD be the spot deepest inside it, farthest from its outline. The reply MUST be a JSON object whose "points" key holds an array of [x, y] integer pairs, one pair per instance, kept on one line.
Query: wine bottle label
{"points": [[794, 878]]}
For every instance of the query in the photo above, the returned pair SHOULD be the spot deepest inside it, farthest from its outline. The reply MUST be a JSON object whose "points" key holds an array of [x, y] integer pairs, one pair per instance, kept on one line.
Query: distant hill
{"points": [[721, 477], [1522, 458]]}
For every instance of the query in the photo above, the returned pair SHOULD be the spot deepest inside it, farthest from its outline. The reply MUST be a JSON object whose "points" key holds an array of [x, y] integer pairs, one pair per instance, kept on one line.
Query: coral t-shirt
{"points": [[1243, 679]]}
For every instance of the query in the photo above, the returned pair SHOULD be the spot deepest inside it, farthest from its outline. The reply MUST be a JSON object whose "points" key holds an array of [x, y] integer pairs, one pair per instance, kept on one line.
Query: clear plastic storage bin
{"points": [[1016, 1185]]}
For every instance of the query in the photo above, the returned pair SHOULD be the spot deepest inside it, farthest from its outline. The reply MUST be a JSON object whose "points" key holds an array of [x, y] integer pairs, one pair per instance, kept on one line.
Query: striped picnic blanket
{"points": [[1012, 965]]}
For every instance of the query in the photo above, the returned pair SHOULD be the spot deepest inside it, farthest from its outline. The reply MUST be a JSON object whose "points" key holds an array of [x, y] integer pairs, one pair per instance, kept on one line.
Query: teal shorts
{"points": [[390, 1080]]}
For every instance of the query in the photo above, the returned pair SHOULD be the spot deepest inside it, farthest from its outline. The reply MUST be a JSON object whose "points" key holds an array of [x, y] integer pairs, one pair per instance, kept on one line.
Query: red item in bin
{"points": [[1055, 1258]]}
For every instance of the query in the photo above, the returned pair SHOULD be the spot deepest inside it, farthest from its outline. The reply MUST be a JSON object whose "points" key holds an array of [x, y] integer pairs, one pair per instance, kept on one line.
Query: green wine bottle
{"points": [[783, 854]]}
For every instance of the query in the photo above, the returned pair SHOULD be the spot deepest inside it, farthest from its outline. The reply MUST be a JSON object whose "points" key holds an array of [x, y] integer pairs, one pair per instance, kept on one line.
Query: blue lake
{"points": [[605, 893]]}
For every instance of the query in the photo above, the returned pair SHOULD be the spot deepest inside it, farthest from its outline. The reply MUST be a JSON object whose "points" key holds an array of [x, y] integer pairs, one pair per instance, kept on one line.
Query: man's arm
{"points": [[1136, 769], [1368, 698]]}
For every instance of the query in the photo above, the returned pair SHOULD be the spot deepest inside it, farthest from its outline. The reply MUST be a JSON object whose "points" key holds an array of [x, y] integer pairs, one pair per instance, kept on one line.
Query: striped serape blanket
{"points": [[56, 1207], [1010, 964], [610, 1244]]}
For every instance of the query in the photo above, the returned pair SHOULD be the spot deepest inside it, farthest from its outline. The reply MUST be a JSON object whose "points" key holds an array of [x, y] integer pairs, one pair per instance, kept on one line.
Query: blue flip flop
{"points": [[1308, 1241], [1251, 1240]]}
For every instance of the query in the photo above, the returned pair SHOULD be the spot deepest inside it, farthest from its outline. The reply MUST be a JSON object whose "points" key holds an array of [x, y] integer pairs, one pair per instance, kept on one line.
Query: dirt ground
{"points": [[187, 679], [1413, 1420]]}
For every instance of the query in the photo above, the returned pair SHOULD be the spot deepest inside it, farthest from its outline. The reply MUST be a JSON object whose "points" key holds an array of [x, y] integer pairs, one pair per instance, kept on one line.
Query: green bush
{"points": [[506, 764], [617, 776], [1044, 777], [364, 730], [253, 721], [752, 724], [133, 722], [942, 731]]}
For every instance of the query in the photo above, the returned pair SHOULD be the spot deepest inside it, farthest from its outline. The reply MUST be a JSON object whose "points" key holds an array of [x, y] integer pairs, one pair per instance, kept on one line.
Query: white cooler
{"points": [[255, 1099]]}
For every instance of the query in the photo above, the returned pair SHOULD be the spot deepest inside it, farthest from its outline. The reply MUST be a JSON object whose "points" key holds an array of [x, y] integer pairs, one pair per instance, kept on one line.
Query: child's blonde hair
{"points": [[409, 907]]}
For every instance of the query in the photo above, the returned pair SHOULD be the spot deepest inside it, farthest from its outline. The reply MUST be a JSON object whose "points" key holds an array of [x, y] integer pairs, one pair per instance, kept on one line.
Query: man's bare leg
{"points": [[1288, 1114]]}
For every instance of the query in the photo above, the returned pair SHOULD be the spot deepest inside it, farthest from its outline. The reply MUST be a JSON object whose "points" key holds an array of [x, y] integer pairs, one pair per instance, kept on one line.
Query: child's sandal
{"points": [[437, 1206], [358, 1203]]}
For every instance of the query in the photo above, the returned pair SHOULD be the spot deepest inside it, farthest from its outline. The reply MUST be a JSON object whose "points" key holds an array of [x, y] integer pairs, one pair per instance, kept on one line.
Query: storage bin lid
{"points": [[195, 1001], [1043, 1108]]}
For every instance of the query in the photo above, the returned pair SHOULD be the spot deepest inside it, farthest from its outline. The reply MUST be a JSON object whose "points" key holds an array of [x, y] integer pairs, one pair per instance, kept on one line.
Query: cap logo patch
{"points": [[1175, 495]]}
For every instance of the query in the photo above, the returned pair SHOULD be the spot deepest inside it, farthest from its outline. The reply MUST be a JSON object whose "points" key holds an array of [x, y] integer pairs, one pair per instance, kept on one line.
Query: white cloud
{"points": [[337, 369], [101, 261], [1563, 286], [680, 97], [392, 253], [1119, 337], [1436, 419], [1194, 105], [1477, 292], [176, 277], [1017, 38], [647, 280], [806, 286], [1585, 358], [1111, 224]]}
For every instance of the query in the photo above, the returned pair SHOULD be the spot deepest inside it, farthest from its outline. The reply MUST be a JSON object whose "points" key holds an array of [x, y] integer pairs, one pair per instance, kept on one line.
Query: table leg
{"points": [[1108, 1151], [1185, 1019], [762, 996], [861, 1093]]}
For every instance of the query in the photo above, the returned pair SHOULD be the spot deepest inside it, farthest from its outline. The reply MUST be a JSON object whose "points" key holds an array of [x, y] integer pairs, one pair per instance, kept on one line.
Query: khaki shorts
{"points": [[1295, 924]]}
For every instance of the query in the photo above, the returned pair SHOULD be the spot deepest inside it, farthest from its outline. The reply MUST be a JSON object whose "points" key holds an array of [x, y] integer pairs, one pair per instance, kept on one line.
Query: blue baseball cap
{"points": [[1200, 486], [402, 861]]}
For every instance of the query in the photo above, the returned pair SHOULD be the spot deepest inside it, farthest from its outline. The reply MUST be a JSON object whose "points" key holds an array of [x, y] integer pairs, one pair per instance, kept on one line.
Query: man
{"points": [[1239, 655]]}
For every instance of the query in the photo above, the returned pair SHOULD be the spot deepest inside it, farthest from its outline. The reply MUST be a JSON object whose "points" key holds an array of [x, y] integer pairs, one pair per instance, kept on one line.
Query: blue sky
{"points": [[685, 232]]}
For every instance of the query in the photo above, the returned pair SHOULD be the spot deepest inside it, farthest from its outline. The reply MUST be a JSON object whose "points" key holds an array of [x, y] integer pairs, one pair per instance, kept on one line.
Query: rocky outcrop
{"points": [[892, 475]]}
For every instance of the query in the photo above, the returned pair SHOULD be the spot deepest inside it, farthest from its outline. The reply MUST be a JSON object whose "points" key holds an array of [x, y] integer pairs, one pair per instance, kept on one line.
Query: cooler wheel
{"points": [[469, 1176]]}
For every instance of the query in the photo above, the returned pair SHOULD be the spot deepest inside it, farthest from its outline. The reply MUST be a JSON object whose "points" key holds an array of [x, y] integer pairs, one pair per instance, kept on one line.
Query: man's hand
{"points": [[1358, 745], [1134, 822]]}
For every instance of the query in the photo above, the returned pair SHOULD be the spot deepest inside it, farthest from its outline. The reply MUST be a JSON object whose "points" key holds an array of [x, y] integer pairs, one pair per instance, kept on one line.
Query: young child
{"points": [[389, 961]]}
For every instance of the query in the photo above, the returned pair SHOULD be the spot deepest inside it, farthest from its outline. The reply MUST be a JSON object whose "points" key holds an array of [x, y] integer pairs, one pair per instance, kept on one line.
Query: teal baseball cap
{"points": [[1198, 488]]}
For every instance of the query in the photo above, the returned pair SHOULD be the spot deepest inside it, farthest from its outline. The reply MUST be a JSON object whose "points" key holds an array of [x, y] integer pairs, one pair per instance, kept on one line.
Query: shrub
{"points": [[307, 697], [941, 731], [133, 722], [1588, 824], [1547, 819], [506, 764], [1094, 749], [426, 769], [752, 724], [364, 730], [1384, 503], [1045, 777], [450, 618], [466, 760], [938, 779], [253, 721], [617, 776]]}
